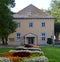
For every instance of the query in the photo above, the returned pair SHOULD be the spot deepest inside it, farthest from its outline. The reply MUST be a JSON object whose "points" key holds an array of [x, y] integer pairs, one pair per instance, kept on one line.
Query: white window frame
{"points": [[18, 25], [18, 36], [43, 24], [43, 36], [30, 24]]}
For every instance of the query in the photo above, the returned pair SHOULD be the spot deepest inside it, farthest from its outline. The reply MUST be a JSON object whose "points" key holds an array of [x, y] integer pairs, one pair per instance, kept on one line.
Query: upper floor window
{"points": [[43, 24], [18, 25], [43, 34], [31, 24], [18, 36]]}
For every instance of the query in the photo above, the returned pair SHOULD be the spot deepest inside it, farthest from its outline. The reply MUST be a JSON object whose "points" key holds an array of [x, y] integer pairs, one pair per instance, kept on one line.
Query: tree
{"points": [[57, 30], [7, 25], [55, 9], [8, 3]]}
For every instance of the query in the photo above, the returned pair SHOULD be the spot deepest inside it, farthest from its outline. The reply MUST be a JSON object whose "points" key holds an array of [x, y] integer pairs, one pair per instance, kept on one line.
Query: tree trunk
{"points": [[6, 39], [57, 35], [3, 40]]}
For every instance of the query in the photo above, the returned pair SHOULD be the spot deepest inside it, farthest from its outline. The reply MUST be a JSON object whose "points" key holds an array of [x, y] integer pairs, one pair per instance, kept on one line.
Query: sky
{"points": [[41, 4]]}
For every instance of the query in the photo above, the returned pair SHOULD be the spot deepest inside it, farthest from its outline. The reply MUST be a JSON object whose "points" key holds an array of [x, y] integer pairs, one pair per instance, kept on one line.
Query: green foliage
{"points": [[55, 9], [7, 25], [10, 3], [57, 27]]}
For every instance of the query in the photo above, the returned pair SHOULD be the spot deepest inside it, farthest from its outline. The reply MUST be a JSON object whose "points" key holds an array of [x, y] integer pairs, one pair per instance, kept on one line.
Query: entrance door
{"points": [[30, 40]]}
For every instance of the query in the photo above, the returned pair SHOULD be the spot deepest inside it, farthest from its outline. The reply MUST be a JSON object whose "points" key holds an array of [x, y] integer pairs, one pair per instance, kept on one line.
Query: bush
{"points": [[49, 41]]}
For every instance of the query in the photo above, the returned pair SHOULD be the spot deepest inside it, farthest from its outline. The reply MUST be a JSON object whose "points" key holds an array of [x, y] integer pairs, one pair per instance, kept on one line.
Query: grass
{"points": [[4, 50], [53, 53]]}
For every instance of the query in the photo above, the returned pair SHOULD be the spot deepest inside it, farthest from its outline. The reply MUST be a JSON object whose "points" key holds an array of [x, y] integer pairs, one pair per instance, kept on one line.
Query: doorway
{"points": [[30, 40]]}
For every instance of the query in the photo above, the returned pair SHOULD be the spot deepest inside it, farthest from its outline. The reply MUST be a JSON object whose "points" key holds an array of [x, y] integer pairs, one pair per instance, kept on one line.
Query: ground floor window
{"points": [[11, 39], [43, 36], [18, 36]]}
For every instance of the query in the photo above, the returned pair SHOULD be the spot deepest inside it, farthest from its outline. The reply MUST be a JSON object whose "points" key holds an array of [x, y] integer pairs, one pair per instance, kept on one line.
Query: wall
{"points": [[36, 29]]}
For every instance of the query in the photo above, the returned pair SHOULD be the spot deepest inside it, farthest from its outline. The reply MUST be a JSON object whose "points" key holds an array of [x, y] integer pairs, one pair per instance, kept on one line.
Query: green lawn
{"points": [[53, 53], [4, 50]]}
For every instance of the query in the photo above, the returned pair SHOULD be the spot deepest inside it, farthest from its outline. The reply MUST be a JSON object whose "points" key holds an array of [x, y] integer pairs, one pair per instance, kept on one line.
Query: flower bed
{"points": [[3, 59], [11, 57], [26, 55], [26, 59], [21, 54], [30, 45], [36, 59], [8, 54]]}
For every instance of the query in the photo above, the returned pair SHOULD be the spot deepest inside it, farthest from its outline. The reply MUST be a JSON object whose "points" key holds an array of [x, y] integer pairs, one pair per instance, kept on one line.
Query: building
{"points": [[33, 27]]}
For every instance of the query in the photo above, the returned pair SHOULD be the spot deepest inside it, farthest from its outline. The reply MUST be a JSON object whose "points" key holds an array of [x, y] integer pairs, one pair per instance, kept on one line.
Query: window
{"points": [[30, 24], [43, 36], [18, 36], [18, 25], [11, 39], [43, 24]]}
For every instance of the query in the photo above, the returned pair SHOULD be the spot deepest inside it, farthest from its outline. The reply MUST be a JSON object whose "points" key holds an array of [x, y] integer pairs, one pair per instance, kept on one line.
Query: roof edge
{"points": [[37, 18]]}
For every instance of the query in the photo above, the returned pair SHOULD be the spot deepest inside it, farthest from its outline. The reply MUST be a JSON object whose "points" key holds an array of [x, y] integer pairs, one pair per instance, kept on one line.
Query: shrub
{"points": [[49, 41]]}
